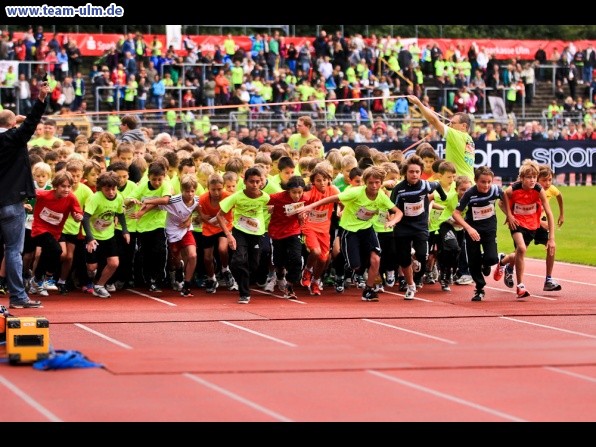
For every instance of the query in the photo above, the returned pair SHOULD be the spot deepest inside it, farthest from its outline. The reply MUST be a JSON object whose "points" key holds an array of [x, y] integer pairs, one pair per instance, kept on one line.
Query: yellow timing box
{"points": [[27, 339]]}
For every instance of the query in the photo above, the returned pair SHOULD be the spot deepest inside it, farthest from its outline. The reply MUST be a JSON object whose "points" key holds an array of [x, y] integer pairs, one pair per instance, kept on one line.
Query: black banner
{"points": [[505, 157]]}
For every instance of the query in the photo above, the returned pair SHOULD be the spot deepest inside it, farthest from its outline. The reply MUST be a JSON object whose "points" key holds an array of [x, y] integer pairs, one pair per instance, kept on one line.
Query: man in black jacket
{"points": [[16, 185]]}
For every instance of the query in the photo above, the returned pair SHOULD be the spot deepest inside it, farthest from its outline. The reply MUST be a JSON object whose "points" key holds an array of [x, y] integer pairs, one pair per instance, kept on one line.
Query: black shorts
{"points": [[541, 236], [106, 249], [70, 238], [29, 246], [528, 235], [213, 240]]}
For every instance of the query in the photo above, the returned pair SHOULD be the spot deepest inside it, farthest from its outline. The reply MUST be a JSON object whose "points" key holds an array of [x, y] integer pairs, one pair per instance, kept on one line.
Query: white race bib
{"points": [[318, 216], [483, 212], [524, 209], [50, 216], [413, 209], [250, 224], [365, 214]]}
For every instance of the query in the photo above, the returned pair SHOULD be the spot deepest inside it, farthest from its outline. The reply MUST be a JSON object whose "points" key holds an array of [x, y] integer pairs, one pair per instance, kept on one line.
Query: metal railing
{"points": [[117, 95]]}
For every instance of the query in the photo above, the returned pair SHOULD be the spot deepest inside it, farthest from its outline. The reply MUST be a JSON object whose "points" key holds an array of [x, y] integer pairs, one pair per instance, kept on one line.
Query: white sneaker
{"points": [[410, 292], [282, 285], [390, 279], [464, 280], [101, 292], [38, 288], [271, 282], [110, 287], [50, 284]]}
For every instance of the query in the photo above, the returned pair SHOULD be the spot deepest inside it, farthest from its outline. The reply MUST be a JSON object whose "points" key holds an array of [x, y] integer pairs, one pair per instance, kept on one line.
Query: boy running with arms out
{"points": [[316, 229], [361, 205], [524, 201], [181, 242], [480, 225]]}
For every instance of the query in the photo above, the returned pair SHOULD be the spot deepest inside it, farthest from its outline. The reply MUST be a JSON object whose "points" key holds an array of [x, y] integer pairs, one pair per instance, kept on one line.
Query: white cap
{"points": [[96, 129], [214, 127]]}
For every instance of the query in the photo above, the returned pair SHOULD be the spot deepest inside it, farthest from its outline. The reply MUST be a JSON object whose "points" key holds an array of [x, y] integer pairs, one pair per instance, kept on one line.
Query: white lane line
{"points": [[30, 401], [283, 342], [402, 295], [444, 340], [550, 327], [448, 397], [572, 374], [105, 337], [152, 297], [564, 280], [238, 398], [523, 299], [563, 263], [262, 292]]}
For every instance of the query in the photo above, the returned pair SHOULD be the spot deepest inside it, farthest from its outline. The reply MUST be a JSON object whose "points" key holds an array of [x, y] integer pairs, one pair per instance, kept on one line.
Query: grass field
{"points": [[576, 239]]}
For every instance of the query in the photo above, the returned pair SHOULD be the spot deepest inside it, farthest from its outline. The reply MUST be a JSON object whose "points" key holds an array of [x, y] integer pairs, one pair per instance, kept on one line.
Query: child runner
{"points": [[361, 206], [181, 242], [285, 232], [99, 223], [411, 197], [214, 236], [545, 178], [52, 207], [316, 230], [480, 225], [250, 206], [524, 201]]}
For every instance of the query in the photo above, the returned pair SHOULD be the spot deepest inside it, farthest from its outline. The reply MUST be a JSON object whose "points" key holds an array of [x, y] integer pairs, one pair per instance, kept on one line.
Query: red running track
{"points": [[332, 358]]}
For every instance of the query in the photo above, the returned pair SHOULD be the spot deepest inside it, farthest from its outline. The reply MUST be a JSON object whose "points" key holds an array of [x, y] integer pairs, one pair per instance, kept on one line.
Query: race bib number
{"points": [[318, 216], [249, 224], [291, 208], [413, 209], [435, 214], [483, 212], [365, 214], [524, 209], [101, 224], [383, 217], [50, 216]]}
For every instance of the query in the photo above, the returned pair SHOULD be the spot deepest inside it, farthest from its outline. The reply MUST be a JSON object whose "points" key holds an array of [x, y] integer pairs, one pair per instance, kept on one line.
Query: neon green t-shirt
{"points": [[437, 217], [249, 214], [83, 193], [360, 211], [154, 218], [131, 224], [460, 151], [103, 213]]}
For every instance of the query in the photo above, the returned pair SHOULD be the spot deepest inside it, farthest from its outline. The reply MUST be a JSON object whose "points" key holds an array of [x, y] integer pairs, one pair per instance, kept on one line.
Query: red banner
{"points": [[94, 44]]}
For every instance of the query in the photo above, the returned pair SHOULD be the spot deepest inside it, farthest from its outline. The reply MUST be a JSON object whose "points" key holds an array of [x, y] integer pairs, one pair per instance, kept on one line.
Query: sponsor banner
{"points": [[95, 44], [505, 157]]}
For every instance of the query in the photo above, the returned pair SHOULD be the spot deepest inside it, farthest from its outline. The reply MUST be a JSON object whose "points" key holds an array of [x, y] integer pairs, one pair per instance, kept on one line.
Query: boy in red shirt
{"points": [[52, 208], [284, 232]]}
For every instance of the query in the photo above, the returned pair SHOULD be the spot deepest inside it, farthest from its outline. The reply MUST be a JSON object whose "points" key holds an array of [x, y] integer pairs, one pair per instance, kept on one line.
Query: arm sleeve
{"points": [[122, 220], [87, 227]]}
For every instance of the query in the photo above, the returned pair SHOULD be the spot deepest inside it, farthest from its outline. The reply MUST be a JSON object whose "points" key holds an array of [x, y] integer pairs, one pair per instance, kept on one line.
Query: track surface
{"points": [[332, 358]]}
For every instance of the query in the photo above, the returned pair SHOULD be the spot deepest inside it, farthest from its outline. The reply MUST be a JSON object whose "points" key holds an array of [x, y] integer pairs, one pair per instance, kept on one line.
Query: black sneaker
{"points": [[402, 284], [508, 278], [29, 304], [154, 288], [369, 294], [211, 285], [478, 295], [445, 285], [244, 300], [186, 292], [63, 288], [340, 284]]}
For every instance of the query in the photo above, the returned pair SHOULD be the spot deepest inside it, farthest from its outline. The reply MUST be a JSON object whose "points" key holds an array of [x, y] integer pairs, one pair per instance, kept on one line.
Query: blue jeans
{"points": [[12, 226]]}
